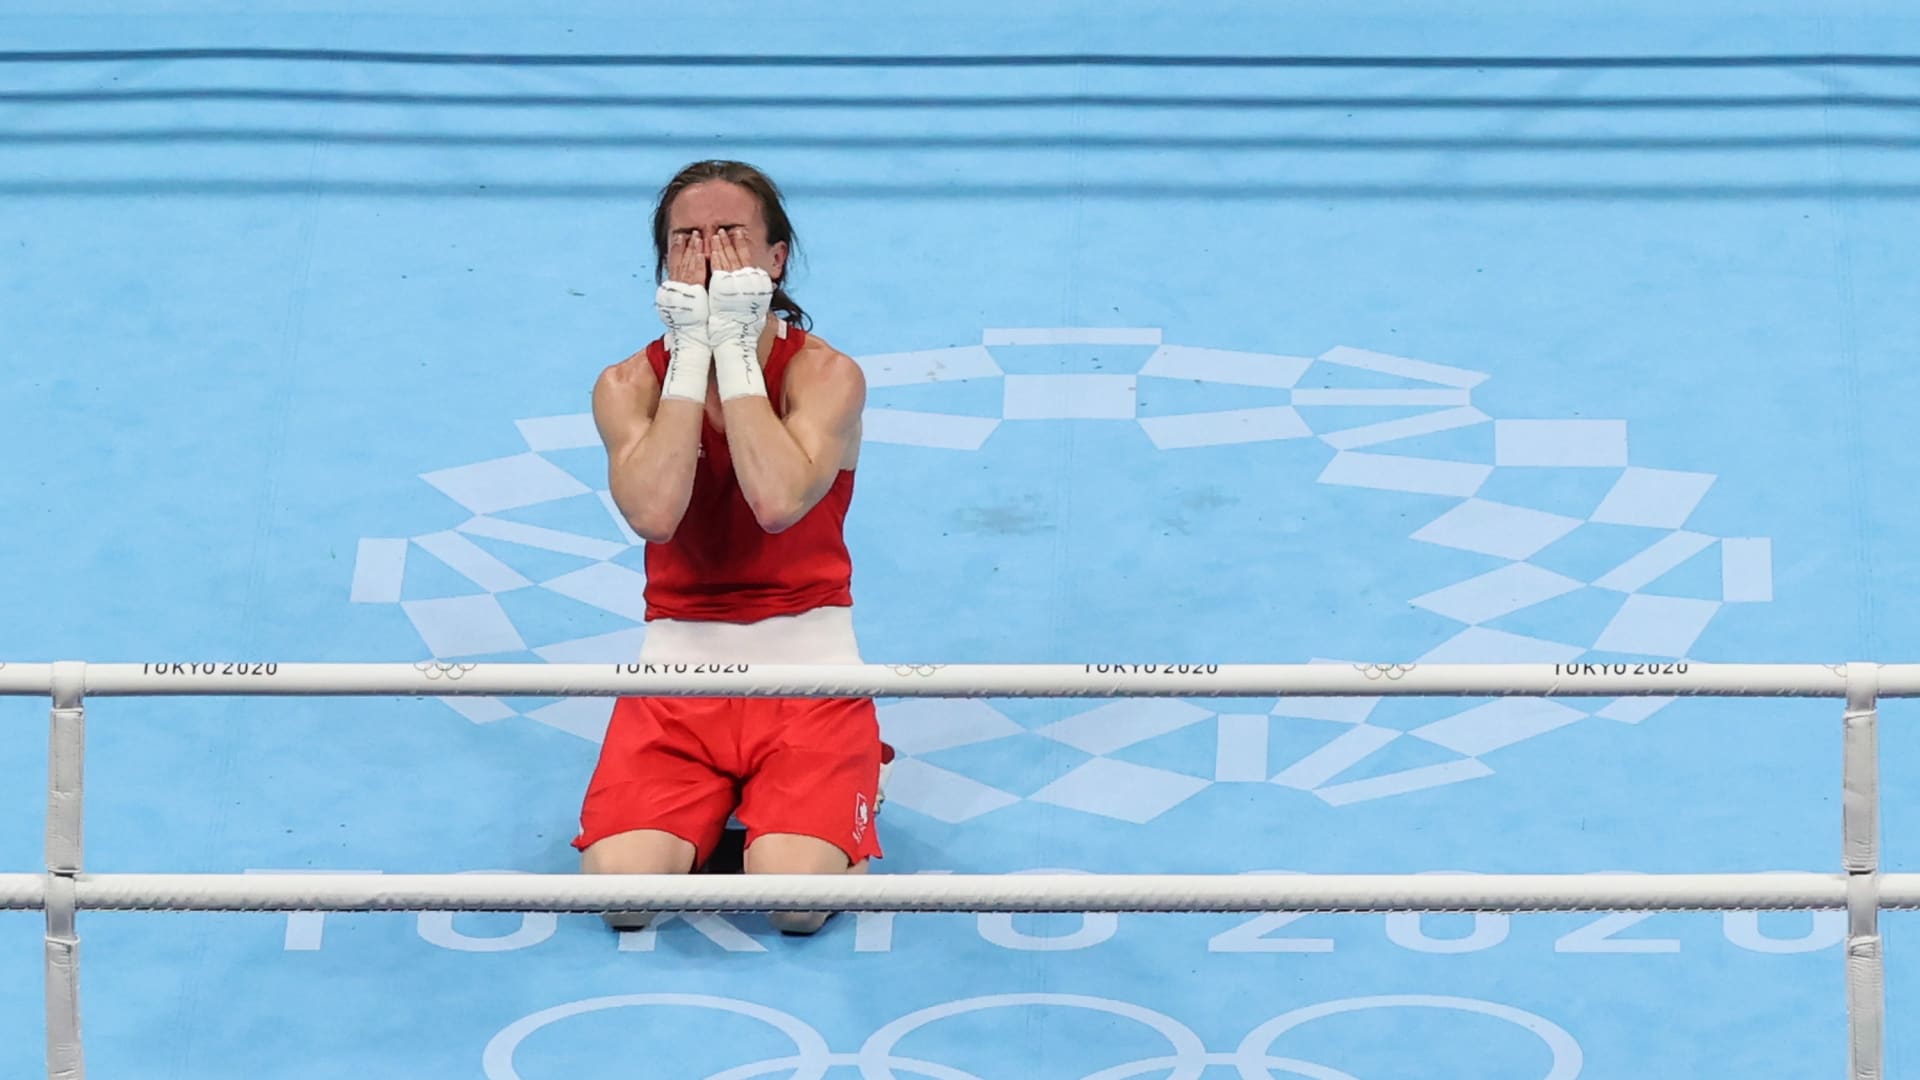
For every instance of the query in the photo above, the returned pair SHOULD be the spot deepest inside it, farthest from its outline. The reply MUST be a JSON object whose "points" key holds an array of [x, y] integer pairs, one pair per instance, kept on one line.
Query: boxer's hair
{"points": [[772, 210]]}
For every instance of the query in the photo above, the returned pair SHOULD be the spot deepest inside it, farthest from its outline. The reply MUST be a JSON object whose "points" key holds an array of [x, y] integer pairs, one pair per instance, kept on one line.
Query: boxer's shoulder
{"points": [[818, 361], [624, 386], [634, 370]]}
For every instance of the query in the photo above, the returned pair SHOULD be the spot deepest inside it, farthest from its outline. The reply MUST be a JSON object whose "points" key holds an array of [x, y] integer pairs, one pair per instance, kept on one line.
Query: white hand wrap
{"points": [[738, 301], [683, 308]]}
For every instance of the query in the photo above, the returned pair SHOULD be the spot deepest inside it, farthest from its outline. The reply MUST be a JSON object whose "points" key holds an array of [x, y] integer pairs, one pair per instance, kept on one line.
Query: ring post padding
{"points": [[1860, 830], [1860, 780], [66, 751], [1866, 1001]]}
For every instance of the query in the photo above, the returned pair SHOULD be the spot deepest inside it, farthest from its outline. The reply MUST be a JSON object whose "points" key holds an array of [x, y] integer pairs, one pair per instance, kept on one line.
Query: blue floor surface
{"points": [[1577, 359]]}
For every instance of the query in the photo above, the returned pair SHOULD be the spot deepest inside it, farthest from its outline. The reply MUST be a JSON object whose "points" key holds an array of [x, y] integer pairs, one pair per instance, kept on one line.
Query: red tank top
{"points": [[721, 566]]}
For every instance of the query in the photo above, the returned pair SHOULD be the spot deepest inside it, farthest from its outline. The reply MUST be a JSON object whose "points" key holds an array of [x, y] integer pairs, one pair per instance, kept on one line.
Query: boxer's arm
{"points": [[786, 467], [652, 446], [652, 431]]}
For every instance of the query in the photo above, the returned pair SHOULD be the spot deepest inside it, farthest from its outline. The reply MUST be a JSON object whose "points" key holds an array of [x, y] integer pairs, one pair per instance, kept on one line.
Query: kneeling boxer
{"points": [[731, 444]]}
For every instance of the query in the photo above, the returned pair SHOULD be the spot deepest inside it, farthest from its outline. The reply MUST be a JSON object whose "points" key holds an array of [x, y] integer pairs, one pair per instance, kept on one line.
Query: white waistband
{"points": [[823, 635]]}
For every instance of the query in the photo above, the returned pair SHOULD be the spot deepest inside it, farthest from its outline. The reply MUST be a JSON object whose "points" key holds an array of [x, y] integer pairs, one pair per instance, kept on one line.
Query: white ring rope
{"points": [[438, 679], [1860, 888], [962, 892]]}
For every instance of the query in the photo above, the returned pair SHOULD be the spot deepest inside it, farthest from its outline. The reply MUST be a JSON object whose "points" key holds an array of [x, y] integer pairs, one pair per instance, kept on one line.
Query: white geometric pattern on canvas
{"points": [[1368, 453]]}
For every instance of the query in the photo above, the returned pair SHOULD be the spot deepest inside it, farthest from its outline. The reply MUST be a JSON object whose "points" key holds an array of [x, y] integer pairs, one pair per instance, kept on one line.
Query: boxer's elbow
{"points": [[654, 528], [775, 523], [649, 511], [778, 513], [652, 534]]}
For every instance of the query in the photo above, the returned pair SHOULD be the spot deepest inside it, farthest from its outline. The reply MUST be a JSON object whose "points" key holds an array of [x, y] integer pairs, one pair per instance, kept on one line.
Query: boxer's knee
{"points": [[643, 851], [789, 853]]}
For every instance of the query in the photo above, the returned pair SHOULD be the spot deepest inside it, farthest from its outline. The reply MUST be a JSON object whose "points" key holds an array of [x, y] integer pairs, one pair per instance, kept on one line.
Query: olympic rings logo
{"points": [[1389, 672], [877, 1060], [435, 669], [916, 669]]}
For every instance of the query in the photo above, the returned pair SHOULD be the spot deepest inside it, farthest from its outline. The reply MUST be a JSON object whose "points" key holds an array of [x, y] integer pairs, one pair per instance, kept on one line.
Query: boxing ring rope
{"points": [[1023, 893], [1859, 888]]}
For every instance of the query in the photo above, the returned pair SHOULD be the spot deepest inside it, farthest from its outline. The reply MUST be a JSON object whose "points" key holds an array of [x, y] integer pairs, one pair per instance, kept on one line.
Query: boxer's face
{"points": [[708, 208]]}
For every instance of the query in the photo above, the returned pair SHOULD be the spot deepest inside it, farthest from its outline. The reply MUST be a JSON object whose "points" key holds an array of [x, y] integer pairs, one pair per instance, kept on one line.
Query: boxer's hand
{"points": [[683, 305], [739, 298], [687, 259]]}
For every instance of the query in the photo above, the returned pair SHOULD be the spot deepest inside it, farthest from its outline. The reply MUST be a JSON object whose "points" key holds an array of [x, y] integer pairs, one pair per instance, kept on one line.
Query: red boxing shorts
{"points": [[808, 766]]}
